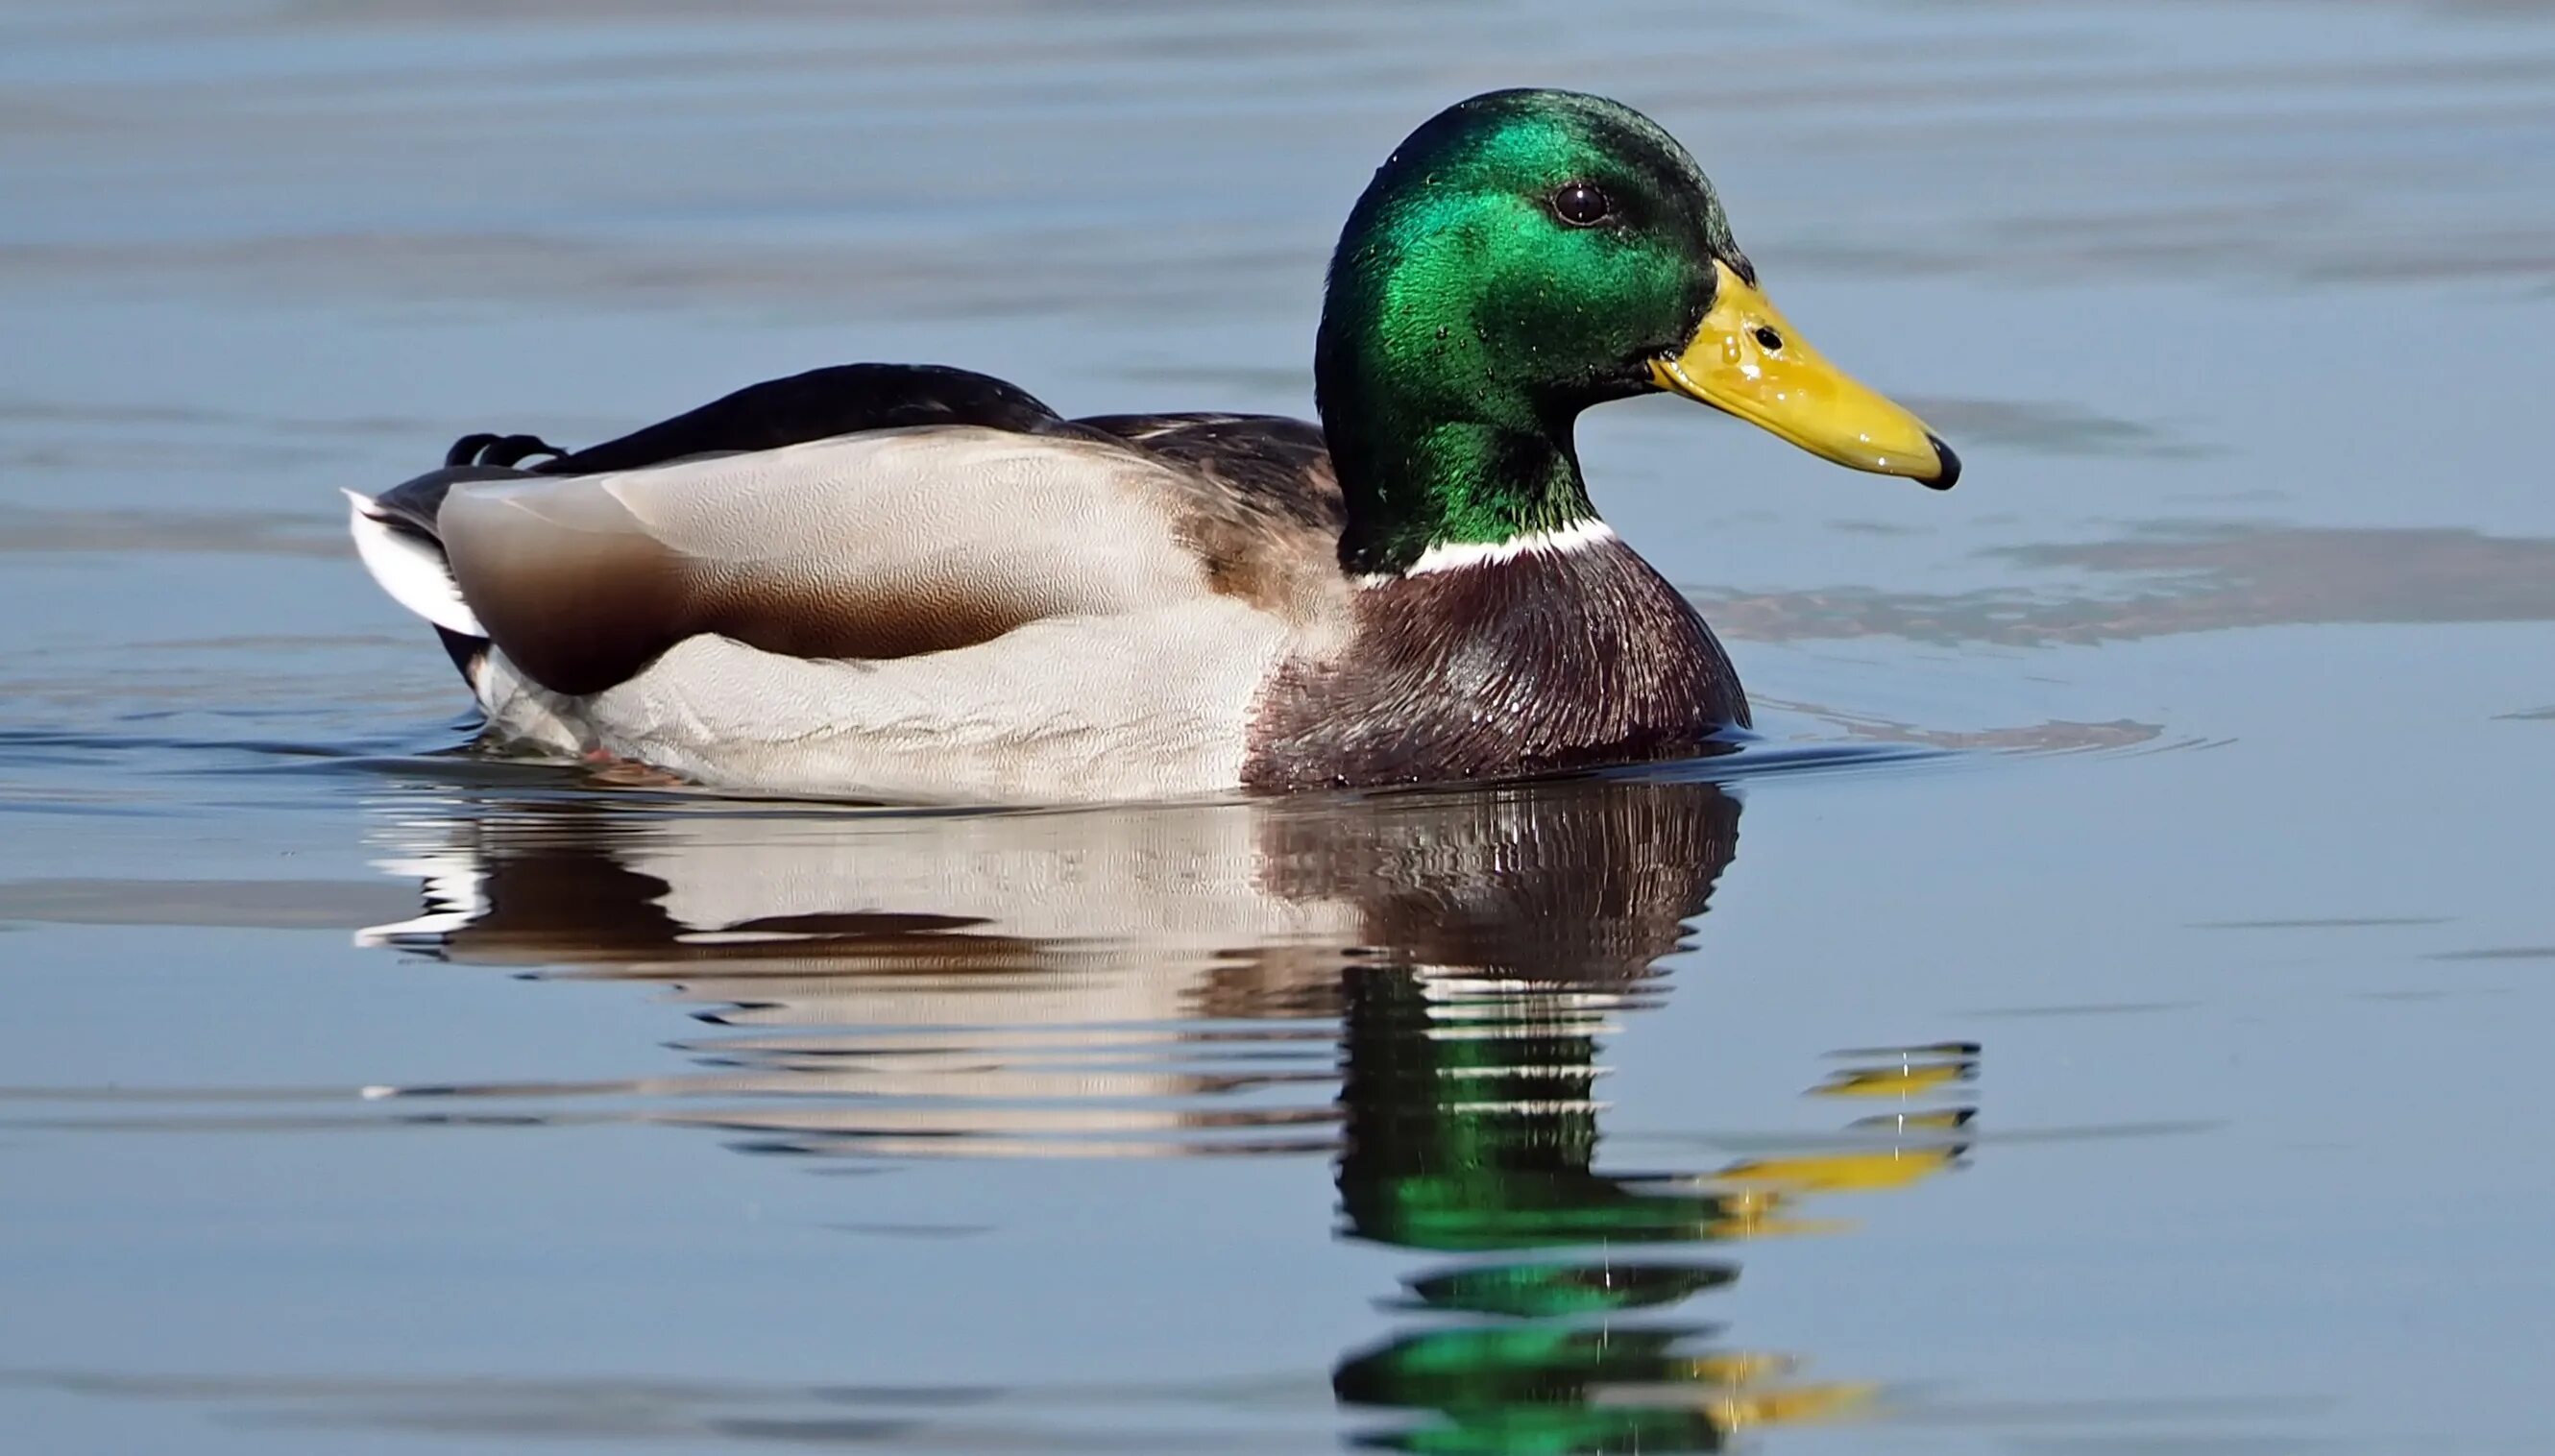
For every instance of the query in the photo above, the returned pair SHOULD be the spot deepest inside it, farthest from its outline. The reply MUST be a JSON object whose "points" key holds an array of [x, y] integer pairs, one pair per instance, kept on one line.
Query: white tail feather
{"points": [[412, 570]]}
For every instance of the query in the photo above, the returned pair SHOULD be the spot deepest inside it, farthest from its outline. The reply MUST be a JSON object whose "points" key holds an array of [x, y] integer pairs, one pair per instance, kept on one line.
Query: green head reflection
{"points": [[1470, 1131]]}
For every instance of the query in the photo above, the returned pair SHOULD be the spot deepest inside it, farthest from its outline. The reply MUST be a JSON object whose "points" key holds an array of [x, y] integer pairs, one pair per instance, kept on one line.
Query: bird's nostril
{"points": [[1767, 336]]}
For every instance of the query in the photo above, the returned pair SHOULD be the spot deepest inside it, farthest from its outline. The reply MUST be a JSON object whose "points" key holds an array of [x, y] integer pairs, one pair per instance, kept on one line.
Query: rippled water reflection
{"points": [[1417, 987]]}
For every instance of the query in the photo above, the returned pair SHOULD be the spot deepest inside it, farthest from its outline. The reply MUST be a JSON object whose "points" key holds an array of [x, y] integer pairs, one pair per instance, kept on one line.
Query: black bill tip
{"points": [[1951, 475]]}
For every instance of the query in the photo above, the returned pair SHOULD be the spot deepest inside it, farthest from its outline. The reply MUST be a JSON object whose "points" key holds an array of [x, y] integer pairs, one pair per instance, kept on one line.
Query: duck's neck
{"points": [[1431, 491], [1440, 436]]}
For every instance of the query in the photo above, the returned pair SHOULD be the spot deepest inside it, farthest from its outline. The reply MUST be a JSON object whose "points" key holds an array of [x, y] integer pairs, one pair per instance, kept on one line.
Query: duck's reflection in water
{"points": [[1092, 984], [1175, 981], [1499, 1164], [1470, 1130]]}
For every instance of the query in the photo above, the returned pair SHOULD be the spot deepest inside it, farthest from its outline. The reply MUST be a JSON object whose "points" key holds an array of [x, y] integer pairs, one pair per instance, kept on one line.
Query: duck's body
{"points": [[1011, 605], [912, 582]]}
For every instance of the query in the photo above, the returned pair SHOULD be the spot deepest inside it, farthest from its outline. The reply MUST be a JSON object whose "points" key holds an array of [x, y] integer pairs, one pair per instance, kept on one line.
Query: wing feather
{"points": [[881, 544]]}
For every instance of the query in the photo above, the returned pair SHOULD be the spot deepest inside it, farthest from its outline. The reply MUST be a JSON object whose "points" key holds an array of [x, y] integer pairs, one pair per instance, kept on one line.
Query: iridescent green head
{"points": [[1521, 256]]}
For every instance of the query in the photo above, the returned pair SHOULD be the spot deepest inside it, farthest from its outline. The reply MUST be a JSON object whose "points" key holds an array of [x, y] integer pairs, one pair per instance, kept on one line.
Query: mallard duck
{"points": [[911, 583]]}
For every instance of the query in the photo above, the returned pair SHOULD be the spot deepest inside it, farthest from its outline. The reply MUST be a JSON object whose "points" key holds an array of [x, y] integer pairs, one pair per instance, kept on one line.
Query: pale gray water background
{"points": [[2241, 630]]}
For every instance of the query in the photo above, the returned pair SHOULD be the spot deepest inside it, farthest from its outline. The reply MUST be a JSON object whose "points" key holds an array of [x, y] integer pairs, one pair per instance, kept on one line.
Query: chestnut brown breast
{"points": [[1545, 661]]}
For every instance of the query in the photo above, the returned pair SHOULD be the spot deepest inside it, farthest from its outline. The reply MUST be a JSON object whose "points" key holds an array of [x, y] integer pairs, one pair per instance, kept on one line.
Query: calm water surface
{"points": [[2101, 1017]]}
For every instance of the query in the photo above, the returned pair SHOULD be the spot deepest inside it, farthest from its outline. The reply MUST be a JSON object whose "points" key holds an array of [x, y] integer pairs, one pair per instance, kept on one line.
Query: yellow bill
{"points": [[1792, 1405], [1899, 1081], [1842, 1172], [1747, 360]]}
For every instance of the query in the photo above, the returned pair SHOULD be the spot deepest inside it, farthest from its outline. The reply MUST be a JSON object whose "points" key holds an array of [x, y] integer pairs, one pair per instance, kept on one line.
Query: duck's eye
{"points": [[1767, 336], [1581, 204]]}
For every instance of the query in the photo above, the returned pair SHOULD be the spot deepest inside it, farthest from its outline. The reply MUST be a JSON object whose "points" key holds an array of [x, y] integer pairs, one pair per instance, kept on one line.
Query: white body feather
{"points": [[1139, 706], [897, 514], [1133, 678]]}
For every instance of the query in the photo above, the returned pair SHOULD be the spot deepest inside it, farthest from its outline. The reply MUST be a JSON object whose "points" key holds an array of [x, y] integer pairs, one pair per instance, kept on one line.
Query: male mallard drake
{"points": [[912, 582]]}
